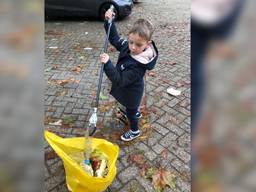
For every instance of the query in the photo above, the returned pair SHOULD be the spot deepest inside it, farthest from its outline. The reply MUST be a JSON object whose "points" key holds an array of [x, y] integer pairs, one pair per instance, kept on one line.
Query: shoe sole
{"points": [[123, 139]]}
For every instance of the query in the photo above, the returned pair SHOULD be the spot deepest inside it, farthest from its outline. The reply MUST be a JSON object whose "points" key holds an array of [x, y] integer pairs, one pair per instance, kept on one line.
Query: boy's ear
{"points": [[149, 42]]}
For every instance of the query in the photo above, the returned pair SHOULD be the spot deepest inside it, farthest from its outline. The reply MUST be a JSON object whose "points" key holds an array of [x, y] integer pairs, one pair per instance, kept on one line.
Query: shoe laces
{"points": [[128, 133]]}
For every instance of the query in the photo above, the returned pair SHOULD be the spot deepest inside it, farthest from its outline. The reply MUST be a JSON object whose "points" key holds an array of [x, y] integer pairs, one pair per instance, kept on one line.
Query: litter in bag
{"points": [[76, 178]]}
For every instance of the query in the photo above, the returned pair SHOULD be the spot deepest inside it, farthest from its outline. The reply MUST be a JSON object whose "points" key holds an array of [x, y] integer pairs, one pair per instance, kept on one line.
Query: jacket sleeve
{"points": [[114, 38], [125, 78]]}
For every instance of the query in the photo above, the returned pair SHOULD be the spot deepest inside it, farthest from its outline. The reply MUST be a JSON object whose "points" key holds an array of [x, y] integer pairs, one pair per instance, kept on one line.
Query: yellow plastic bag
{"points": [[76, 178]]}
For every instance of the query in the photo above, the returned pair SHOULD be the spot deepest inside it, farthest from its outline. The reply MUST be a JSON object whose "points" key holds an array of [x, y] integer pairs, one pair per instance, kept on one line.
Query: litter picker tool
{"points": [[93, 118]]}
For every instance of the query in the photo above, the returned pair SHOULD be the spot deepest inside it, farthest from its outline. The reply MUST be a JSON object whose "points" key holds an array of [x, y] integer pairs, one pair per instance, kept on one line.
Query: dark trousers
{"points": [[201, 37], [131, 114]]}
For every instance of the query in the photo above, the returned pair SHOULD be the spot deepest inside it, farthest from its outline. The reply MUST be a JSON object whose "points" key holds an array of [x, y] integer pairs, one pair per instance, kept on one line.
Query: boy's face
{"points": [[137, 44]]}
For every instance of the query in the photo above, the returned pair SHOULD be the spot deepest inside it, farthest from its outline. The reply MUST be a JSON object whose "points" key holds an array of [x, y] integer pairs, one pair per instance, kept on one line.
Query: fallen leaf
{"points": [[173, 120], [51, 32], [146, 126], [184, 103], [103, 97], [163, 178], [137, 158], [48, 119], [164, 154], [152, 74], [55, 67], [77, 69], [65, 81], [50, 155], [105, 107], [100, 125], [150, 172], [183, 83], [153, 110], [61, 93], [172, 63], [68, 121]]}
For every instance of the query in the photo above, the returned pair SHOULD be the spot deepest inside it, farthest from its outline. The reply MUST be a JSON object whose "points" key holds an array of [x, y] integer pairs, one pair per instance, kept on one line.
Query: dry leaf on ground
{"points": [[152, 74], [137, 158], [163, 178], [164, 154]]}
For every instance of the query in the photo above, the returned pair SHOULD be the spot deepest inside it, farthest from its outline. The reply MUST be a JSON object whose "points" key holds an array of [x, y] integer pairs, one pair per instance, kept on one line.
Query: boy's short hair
{"points": [[143, 28]]}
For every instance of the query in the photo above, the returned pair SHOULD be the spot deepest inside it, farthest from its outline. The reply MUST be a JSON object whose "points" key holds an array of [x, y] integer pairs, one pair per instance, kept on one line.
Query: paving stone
{"points": [[133, 185], [153, 139], [158, 148], [49, 100], [146, 183], [164, 119], [182, 154], [46, 172], [184, 186], [168, 139], [173, 102], [59, 103], [69, 107], [53, 181], [115, 185], [58, 112], [62, 188], [162, 130], [180, 166], [124, 160], [176, 129], [80, 111], [128, 173], [184, 141]]}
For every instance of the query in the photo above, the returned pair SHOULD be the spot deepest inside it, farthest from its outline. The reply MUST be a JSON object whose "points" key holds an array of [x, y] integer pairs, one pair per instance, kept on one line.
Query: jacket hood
{"points": [[148, 57]]}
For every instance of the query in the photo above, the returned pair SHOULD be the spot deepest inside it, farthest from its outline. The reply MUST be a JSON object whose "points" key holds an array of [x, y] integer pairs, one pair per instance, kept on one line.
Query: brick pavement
{"points": [[69, 44]]}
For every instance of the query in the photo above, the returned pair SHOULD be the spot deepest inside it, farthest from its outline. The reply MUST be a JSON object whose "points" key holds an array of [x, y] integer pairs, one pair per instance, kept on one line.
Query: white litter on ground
{"points": [[59, 122], [173, 91], [87, 48], [53, 47]]}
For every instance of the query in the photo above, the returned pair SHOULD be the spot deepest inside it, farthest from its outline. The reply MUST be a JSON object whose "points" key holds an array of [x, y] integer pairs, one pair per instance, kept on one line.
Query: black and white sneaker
{"points": [[130, 135]]}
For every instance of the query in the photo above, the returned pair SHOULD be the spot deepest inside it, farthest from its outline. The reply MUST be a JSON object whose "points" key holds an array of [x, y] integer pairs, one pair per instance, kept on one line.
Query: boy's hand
{"points": [[104, 58], [109, 14]]}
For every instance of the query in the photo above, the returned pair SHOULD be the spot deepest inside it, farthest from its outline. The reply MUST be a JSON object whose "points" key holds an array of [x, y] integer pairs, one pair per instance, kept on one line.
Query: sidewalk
{"points": [[71, 78]]}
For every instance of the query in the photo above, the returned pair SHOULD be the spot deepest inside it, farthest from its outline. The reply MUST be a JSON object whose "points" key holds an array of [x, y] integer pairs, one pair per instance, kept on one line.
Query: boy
{"points": [[137, 55]]}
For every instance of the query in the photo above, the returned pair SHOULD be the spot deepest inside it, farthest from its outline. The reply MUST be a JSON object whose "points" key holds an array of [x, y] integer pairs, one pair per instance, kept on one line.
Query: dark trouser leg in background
{"points": [[199, 45]]}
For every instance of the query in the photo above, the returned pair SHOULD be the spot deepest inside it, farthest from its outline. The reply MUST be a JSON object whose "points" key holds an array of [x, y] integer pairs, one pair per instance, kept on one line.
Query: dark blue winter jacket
{"points": [[127, 76]]}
